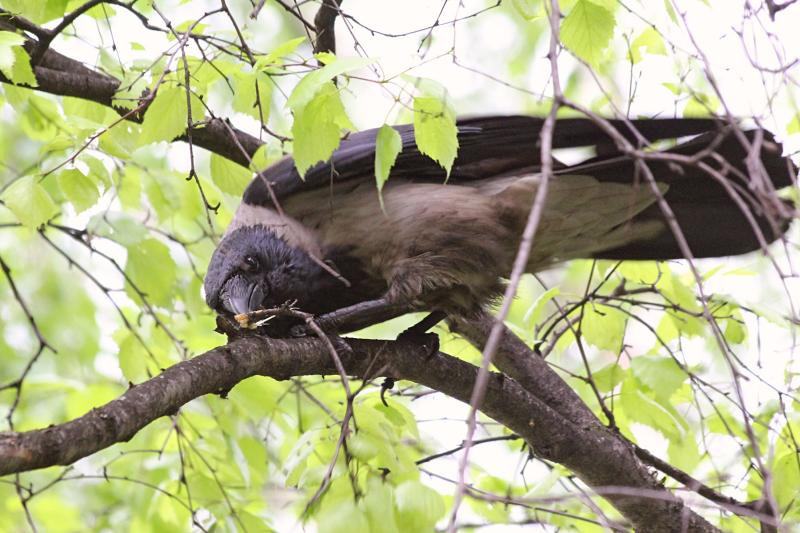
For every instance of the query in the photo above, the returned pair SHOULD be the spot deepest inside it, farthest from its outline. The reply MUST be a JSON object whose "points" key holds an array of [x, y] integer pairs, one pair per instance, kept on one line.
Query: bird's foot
{"points": [[298, 330], [418, 333], [429, 341]]}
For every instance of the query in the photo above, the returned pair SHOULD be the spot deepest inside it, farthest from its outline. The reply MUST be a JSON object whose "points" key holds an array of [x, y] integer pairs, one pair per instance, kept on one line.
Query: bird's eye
{"points": [[250, 264]]}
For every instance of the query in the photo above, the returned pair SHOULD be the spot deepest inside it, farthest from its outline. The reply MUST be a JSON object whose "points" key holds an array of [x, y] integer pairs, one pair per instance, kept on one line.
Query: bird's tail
{"points": [[721, 196]]}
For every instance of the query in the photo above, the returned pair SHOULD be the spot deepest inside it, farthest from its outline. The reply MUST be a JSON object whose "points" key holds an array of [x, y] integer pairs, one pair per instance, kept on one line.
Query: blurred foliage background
{"points": [[105, 236]]}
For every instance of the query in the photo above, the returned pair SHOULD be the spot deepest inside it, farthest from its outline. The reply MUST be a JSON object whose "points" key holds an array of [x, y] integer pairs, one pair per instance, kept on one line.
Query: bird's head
{"points": [[252, 268]]}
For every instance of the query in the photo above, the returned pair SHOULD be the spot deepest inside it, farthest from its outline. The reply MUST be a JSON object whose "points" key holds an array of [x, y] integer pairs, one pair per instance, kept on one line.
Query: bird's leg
{"points": [[371, 312], [418, 334], [421, 327]]}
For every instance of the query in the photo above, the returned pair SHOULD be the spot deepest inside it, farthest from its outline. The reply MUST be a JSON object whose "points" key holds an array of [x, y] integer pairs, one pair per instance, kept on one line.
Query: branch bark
{"points": [[598, 457]]}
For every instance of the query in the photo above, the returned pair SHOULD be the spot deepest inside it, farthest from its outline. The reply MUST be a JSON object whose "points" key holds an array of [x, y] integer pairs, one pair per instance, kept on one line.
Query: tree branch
{"points": [[324, 23], [59, 75], [597, 457], [532, 373]]}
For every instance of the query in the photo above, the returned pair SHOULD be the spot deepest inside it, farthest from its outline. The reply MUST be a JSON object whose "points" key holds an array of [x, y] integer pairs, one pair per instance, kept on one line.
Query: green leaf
{"points": [[603, 326], [39, 12], [228, 176], [120, 140], [184, 26], [29, 202], [132, 357], [675, 89], [661, 374], [419, 507], [266, 155], [786, 480], [362, 446], [435, 130], [343, 517], [22, 72], [313, 82], [165, 117], [701, 105], [650, 41], [722, 422], [735, 332], [670, 11], [128, 182], [609, 377], [250, 523], [528, 9], [378, 503], [317, 128], [97, 171], [117, 226], [85, 399], [794, 125], [91, 111], [388, 145], [640, 407], [683, 453], [131, 89], [81, 192], [587, 30], [253, 95], [610, 5], [162, 194], [641, 272], [151, 268], [8, 41], [534, 312], [679, 293], [279, 51]]}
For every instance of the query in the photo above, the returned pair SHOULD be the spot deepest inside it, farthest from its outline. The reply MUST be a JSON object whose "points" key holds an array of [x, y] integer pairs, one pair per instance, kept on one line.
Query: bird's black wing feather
{"points": [[488, 146], [712, 222]]}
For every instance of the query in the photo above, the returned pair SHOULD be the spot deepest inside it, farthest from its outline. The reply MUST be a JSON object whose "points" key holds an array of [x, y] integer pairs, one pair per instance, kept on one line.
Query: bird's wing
{"points": [[492, 147], [488, 146]]}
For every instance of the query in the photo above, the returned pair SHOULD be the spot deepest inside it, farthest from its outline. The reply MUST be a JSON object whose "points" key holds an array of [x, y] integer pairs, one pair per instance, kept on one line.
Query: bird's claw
{"points": [[388, 384], [298, 330], [429, 341]]}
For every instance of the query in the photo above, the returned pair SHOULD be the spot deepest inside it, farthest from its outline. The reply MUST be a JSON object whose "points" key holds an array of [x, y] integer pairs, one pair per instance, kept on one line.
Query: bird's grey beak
{"points": [[243, 296], [239, 305]]}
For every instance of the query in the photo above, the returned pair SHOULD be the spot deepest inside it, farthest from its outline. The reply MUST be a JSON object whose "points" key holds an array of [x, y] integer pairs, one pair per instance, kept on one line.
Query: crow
{"points": [[443, 243]]}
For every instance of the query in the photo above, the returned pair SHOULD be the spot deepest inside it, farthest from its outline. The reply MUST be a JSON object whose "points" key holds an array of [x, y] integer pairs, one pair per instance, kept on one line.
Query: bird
{"points": [[444, 242]]}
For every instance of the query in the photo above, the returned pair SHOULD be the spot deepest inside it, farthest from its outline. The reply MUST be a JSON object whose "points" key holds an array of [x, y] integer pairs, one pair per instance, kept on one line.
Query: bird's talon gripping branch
{"points": [[428, 341], [298, 330], [340, 344]]}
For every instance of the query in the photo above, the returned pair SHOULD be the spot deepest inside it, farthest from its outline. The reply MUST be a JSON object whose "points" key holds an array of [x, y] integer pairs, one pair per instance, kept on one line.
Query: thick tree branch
{"points": [[597, 457], [324, 23]]}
